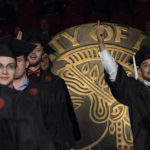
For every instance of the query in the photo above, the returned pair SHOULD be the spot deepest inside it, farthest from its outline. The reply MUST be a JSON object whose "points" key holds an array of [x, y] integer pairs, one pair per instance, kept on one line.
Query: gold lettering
{"points": [[119, 34], [56, 44], [108, 29], [139, 41], [73, 38]]}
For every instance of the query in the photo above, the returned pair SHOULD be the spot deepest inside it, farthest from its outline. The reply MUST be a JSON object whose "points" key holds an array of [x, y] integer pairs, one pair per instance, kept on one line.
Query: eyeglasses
{"points": [[8, 67]]}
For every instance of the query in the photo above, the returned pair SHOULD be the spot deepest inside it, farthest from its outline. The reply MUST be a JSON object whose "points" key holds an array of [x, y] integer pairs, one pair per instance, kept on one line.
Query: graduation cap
{"points": [[142, 54], [18, 47], [5, 39], [5, 50], [21, 47], [139, 57], [36, 36]]}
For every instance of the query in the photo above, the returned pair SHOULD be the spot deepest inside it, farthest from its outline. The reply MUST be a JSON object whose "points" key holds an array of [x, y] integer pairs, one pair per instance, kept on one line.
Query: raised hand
{"points": [[19, 36], [100, 36]]}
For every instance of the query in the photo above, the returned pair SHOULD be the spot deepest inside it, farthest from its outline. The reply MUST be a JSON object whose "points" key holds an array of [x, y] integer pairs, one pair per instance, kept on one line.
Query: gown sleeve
{"points": [[66, 126], [124, 87], [72, 116]]}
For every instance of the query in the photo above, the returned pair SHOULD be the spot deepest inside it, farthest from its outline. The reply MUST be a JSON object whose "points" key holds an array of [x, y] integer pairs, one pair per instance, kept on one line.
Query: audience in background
{"points": [[28, 12], [45, 28], [147, 26]]}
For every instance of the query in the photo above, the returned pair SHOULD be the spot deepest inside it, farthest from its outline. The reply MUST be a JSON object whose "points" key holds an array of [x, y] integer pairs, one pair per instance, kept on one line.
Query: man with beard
{"points": [[129, 91], [30, 92], [66, 127]]}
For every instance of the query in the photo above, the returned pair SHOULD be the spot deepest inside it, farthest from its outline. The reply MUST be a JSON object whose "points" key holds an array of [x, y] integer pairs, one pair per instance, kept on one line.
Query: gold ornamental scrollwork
{"points": [[103, 121]]}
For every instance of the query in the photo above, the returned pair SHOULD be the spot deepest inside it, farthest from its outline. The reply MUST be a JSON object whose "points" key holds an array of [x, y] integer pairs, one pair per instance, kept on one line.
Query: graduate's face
{"points": [[22, 64], [7, 70], [45, 62], [35, 56], [145, 69]]}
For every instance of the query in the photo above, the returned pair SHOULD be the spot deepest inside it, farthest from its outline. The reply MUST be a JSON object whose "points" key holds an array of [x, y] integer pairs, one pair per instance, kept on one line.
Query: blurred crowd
{"points": [[52, 16]]}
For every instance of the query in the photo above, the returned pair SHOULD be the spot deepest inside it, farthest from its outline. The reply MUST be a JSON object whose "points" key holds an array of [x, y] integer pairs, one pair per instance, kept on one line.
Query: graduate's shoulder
{"points": [[51, 77]]}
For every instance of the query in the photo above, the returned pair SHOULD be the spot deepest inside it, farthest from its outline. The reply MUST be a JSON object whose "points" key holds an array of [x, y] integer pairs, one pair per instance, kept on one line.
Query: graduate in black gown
{"points": [[46, 65], [22, 83], [7, 101], [130, 91], [27, 127], [67, 130]]}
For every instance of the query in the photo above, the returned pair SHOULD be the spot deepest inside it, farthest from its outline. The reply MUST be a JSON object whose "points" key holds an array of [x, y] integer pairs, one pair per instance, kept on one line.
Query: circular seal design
{"points": [[33, 91], [101, 118], [2, 103]]}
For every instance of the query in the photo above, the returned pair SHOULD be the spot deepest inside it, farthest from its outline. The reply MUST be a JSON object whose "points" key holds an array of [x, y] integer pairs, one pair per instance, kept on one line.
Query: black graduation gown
{"points": [[21, 121], [136, 96], [59, 83], [59, 108], [7, 119], [32, 133]]}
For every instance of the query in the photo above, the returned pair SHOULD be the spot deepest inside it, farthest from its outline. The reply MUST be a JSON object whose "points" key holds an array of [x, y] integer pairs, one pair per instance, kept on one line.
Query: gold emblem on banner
{"points": [[104, 122]]}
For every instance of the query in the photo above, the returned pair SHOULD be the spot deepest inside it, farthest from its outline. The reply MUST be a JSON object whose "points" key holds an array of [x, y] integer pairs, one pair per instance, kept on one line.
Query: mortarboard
{"points": [[5, 39], [5, 50], [19, 47], [139, 57], [36, 36]]}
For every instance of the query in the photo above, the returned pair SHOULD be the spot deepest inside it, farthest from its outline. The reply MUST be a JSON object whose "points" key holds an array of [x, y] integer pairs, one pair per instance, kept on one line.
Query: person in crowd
{"points": [[26, 126], [147, 26], [26, 85], [44, 27], [129, 91], [67, 130], [46, 63], [7, 117]]}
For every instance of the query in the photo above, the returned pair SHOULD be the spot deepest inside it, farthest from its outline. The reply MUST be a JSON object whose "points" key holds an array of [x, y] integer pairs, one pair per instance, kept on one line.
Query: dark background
{"points": [[61, 14]]}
